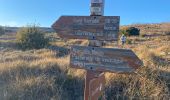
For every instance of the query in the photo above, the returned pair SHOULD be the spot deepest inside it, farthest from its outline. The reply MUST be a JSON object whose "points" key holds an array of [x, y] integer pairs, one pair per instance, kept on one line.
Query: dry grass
{"points": [[45, 74], [37, 75], [152, 29], [149, 82]]}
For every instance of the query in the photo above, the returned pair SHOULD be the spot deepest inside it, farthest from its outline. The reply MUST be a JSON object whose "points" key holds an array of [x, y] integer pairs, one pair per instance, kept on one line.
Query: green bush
{"points": [[2, 30], [31, 38], [133, 31]]}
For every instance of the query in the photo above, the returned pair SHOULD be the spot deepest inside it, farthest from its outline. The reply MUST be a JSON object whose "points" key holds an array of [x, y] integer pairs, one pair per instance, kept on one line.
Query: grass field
{"points": [[45, 74]]}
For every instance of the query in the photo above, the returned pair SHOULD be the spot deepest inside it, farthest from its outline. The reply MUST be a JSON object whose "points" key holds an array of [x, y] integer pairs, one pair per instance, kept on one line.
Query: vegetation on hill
{"points": [[150, 29], [31, 38], [130, 31], [15, 29], [133, 31], [2, 30], [45, 74]]}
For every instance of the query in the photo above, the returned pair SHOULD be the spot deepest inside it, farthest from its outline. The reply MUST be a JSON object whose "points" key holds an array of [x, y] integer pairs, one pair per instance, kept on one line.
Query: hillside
{"points": [[45, 74], [15, 29], [152, 29]]}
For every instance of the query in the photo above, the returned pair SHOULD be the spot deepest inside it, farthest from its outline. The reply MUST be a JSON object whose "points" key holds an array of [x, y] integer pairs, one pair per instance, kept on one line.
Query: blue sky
{"points": [[45, 12]]}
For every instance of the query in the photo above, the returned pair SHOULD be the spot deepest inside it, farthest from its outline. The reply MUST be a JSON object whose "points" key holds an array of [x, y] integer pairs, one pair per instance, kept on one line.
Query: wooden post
{"points": [[90, 75], [94, 59], [95, 80], [97, 9]]}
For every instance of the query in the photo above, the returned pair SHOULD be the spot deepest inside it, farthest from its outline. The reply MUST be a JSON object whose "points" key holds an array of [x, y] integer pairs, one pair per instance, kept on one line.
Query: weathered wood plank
{"points": [[104, 59], [90, 81], [97, 1], [96, 87], [88, 27]]}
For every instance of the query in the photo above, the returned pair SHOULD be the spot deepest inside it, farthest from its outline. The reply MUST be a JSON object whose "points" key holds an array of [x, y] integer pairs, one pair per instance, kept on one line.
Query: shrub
{"points": [[167, 33], [2, 30], [143, 35], [31, 38], [123, 31], [133, 31]]}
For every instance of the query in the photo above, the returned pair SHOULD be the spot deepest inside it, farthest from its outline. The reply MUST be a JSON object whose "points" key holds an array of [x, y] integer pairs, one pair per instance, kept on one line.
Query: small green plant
{"points": [[123, 31], [31, 37], [128, 41], [2, 30]]}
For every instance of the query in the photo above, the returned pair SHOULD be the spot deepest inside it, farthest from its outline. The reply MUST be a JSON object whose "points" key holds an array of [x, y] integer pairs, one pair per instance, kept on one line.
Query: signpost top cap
{"points": [[97, 1]]}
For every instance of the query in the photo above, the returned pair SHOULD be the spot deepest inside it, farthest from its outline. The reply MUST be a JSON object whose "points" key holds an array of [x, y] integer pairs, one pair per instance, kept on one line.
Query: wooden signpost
{"points": [[94, 85], [94, 59], [97, 7], [88, 27], [104, 59]]}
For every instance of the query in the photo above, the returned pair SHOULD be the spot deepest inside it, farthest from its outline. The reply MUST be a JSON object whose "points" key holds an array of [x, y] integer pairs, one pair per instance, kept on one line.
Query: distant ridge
{"points": [[151, 28], [15, 29]]}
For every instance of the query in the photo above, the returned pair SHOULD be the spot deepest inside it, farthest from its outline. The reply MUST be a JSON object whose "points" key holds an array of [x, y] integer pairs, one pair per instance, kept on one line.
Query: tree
{"points": [[133, 31], [31, 38]]}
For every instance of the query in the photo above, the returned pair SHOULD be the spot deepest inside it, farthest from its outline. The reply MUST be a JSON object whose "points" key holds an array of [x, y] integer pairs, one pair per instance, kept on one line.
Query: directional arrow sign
{"points": [[104, 59], [88, 27]]}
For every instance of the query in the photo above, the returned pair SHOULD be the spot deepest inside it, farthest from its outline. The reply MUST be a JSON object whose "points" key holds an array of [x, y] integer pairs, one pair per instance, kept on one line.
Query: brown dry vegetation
{"points": [[150, 29], [45, 74]]}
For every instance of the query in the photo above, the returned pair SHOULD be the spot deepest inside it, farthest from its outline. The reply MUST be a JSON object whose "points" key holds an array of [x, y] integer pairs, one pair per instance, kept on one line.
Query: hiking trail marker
{"points": [[94, 59], [88, 27], [104, 59]]}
